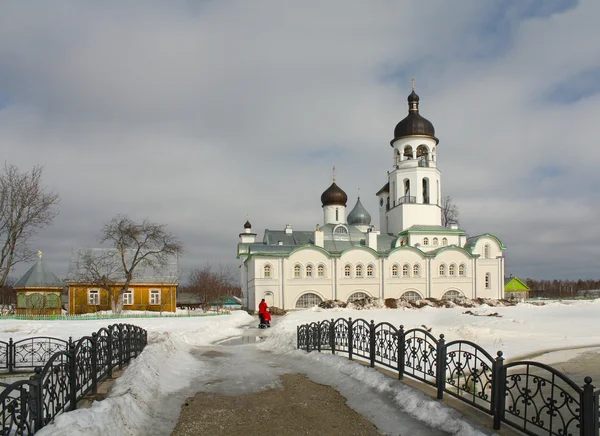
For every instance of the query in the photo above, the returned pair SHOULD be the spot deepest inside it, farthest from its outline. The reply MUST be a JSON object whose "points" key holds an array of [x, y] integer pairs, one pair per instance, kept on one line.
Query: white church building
{"points": [[409, 254]]}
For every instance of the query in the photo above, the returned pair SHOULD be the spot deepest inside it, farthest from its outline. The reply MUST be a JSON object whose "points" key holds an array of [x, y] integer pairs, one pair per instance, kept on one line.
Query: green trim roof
{"points": [[472, 241]]}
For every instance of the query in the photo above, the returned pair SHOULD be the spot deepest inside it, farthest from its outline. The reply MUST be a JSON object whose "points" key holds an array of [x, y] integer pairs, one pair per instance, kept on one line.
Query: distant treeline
{"points": [[562, 288]]}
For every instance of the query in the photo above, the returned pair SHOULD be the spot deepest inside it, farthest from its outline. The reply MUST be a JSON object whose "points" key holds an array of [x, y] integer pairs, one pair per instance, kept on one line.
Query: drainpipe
{"points": [[281, 261], [475, 277], [334, 275]]}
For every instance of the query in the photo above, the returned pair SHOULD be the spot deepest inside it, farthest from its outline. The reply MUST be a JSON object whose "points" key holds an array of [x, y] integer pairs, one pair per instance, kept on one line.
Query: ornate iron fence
{"points": [[529, 396], [69, 372]]}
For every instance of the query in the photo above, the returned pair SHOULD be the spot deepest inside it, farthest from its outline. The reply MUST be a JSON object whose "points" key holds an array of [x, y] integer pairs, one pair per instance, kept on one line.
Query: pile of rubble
{"points": [[396, 303]]}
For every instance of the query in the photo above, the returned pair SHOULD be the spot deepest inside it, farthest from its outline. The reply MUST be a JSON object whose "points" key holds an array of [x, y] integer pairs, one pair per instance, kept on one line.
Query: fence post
{"points": [[94, 363], [37, 396], [10, 355], [587, 413], [120, 328], [441, 367], [109, 351], [72, 375], [332, 336], [319, 337], [350, 338], [298, 337], [372, 343], [401, 352], [498, 390]]}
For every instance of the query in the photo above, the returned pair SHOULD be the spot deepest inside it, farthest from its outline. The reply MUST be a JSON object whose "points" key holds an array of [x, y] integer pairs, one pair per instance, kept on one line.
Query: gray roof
{"points": [[165, 273], [39, 276], [359, 215]]}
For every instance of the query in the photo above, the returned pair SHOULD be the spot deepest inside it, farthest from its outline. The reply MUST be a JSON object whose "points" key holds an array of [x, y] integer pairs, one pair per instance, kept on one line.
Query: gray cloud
{"points": [[195, 115]]}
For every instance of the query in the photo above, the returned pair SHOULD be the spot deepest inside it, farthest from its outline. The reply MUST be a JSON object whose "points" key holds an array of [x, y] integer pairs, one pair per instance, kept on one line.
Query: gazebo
{"points": [[39, 291]]}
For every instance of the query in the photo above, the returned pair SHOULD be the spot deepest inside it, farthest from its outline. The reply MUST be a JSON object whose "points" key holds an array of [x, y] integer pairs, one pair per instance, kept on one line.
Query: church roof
{"points": [[472, 241], [359, 215], [334, 195], [421, 228], [39, 276], [414, 124]]}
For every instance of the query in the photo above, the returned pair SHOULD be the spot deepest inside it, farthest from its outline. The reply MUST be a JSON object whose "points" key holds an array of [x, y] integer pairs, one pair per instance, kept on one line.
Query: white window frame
{"points": [[444, 242], [347, 270], [321, 271], [425, 241], [416, 270], [461, 270], [395, 270], [127, 301], [96, 300], [406, 270], [153, 293], [435, 242], [370, 271], [442, 270], [452, 270], [267, 271], [358, 271], [309, 271], [297, 271]]}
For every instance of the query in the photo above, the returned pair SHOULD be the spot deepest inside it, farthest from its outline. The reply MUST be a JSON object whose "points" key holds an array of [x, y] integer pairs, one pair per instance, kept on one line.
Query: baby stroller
{"points": [[265, 319]]}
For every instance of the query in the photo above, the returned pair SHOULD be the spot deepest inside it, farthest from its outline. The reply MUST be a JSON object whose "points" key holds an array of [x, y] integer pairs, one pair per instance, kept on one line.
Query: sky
{"points": [[186, 355], [199, 114]]}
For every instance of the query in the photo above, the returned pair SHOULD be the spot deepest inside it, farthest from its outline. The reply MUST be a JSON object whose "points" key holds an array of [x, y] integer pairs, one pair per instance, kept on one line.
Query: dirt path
{"points": [[302, 407]]}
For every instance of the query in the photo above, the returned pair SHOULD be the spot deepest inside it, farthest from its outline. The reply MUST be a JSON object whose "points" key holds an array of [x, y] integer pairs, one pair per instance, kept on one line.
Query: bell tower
{"points": [[412, 194]]}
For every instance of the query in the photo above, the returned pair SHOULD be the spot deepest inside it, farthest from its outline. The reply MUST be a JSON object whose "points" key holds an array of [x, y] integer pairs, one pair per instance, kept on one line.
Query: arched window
{"points": [[425, 241], [416, 270], [435, 242], [461, 270], [444, 242], [308, 300], [453, 296], [452, 270], [309, 270], [408, 153], [370, 271], [486, 251], [267, 271], [488, 281], [297, 271], [394, 270], [405, 270], [357, 296], [358, 270], [341, 230], [410, 296], [442, 270], [347, 271], [407, 191], [425, 189], [321, 271]]}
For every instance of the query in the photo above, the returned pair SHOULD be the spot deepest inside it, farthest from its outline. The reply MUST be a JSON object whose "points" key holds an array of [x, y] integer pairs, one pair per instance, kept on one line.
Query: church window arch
{"points": [[410, 296], [442, 270], [308, 300], [395, 270], [425, 241], [267, 271], [405, 270], [370, 270], [408, 152], [406, 191], [425, 190], [321, 270], [452, 270], [359, 271], [357, 296], [435, 242], [486, 251], [416, 270], [444, 242], [461, 270], [347, 270], [488, 281], [309, 270], [297, 271], [453, 296], [340, 230]]}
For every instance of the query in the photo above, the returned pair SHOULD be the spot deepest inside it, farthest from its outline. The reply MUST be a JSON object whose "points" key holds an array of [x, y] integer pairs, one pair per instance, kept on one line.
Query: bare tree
{"points": [[449, 212], [212, 286], [25, 207], [134, 246]]}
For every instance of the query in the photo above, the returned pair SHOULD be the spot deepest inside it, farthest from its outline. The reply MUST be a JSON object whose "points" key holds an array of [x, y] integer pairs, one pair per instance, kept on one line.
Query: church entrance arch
{"points": [[308, 300], [269, 298], [453, 295], [358, 295]]}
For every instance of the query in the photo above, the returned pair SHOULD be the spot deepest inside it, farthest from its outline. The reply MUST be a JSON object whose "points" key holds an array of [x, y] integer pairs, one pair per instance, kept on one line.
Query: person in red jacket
{"points": [[262, 308]]}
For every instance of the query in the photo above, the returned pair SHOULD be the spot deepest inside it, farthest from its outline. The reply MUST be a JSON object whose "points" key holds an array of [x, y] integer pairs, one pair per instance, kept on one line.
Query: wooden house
{"points": [[152, 288], [39, 291], [514, 288]]}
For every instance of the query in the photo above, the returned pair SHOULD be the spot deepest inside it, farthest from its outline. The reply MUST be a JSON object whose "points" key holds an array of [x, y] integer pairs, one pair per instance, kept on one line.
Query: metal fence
{"points": [[529, 396], [65, 371]]}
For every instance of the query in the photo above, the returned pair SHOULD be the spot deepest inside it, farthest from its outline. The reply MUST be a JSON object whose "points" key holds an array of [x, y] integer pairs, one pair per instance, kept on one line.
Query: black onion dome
{"points": [[334, 195], [414, 124], [359, 215], [247, 225]]}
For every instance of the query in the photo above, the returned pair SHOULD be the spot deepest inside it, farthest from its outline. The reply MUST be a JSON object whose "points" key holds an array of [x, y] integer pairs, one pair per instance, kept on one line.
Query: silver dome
{"points": [[359, 215]]}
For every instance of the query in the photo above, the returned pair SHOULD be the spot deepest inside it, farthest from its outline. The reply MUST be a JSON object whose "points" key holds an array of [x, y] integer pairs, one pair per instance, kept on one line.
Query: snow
{"points": [[177, 362]]}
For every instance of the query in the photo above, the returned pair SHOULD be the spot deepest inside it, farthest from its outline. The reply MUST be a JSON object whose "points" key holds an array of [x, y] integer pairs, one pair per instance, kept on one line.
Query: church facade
{"points": [[408, 254]]}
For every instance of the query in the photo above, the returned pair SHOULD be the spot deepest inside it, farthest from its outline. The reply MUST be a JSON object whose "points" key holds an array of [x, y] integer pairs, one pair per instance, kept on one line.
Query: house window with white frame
{"points": [[395, 271], [416, 270], [347, 271], [321, 271], [370, 271], [308, 270], [128, 298], [93, 297], [359, 271], [154, 297], [296, 271]]}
